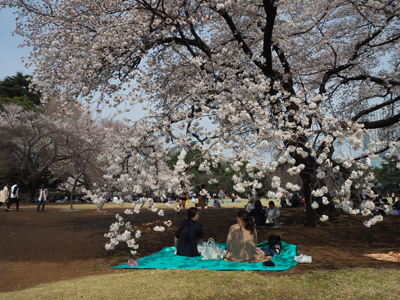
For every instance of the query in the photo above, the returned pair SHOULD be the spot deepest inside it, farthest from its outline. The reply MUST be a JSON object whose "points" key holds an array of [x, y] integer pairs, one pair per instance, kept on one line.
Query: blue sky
{"points": [[10, 53], [10, 56]]}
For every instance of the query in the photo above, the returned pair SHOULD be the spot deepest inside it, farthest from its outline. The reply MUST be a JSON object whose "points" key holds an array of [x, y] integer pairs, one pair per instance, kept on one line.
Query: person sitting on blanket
{"points": [[273, 213], [188, 234], [242, 241], [258, 213], [217, 202], [250, 205], [387, 208]]}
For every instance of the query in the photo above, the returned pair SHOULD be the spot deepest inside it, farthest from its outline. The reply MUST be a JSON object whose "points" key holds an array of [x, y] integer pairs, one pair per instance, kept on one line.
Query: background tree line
{"points": [[43, 145]]}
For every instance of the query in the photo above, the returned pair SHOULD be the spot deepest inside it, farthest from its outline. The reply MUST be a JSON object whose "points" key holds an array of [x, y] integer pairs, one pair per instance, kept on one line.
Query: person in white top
{"points": [[14, 197], [42, 197], [4, 193], [273, 213]]}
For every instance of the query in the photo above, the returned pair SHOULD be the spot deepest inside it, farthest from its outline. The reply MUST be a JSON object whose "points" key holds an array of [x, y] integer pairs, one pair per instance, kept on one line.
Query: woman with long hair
{"points": [[242, 241]]}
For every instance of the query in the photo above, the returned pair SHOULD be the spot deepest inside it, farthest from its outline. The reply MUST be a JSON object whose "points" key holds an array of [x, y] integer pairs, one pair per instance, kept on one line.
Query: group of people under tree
{"points": [[184, 196], [241, 239], [9, 197], [382, 205], [262, 217], [294, 201]]}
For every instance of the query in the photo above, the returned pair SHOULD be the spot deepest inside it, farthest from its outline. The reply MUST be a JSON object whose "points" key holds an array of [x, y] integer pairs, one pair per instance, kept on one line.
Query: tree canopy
{"points": [[280, 81], [37, 149]]}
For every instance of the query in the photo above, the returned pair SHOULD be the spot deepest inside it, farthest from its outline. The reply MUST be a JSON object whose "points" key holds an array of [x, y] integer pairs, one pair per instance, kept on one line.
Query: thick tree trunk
{"points": [[72, 192], [313, 215]]}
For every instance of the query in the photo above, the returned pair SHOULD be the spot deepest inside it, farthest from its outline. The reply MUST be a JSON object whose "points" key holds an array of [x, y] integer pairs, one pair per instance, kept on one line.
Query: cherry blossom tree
{"points": [[134, 167], [296, 78], [80, 144], [29, 143], [39, 149], [134, 164]]}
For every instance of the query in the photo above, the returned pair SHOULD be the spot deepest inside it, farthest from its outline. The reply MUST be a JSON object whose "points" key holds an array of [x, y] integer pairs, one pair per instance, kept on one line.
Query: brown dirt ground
{"points": [[51, 246]]}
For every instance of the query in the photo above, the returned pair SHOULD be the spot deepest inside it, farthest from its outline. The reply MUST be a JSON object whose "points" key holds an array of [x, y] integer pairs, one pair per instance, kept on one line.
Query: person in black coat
{"points": [[188, 234], [283, 201], [295, 201], [258, 213]]}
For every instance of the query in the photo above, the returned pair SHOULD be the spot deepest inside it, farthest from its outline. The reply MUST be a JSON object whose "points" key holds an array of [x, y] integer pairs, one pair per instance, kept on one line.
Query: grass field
{"points": [[202, 284], [160, 205]]}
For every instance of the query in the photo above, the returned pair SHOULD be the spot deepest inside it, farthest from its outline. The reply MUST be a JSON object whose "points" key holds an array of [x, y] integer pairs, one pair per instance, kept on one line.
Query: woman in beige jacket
{"points": [[242, 241], [4, 193]]}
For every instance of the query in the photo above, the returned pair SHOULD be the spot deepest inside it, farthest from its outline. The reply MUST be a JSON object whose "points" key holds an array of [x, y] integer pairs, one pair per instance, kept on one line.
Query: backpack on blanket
{"points": [[274, 242]]}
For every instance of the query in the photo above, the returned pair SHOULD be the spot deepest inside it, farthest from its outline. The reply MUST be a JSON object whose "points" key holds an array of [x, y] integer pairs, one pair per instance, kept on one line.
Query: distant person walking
{"points": [[202, 200], [283, 201], [42, 197], [14, 197], [4, 194]]}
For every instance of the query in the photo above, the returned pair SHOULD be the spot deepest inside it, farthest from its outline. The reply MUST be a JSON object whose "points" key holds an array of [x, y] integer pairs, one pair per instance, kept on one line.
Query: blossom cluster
{"points": [[373, 221], [116, 235]]}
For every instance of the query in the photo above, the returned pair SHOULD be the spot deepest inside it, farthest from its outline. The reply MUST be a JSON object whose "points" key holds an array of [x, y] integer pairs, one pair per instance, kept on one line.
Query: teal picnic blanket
{"points": [[165, 259]]}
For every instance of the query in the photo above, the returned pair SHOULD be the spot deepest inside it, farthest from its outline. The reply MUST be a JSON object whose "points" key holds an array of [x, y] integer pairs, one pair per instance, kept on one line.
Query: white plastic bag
{"points": [[303, 259], [200, 246], [210, 251]]}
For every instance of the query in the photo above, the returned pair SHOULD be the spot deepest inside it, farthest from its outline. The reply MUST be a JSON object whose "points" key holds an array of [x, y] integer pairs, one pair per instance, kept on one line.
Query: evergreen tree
{"points": [[388, 176], [15, 89]]}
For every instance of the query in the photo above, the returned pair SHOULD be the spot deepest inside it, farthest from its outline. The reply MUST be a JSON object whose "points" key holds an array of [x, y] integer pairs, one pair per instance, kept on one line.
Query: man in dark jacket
{"points": [[188, 234], [259, 214]]}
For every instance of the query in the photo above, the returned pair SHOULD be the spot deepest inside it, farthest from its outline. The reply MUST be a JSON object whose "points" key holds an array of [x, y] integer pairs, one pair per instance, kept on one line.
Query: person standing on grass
{"points": [[42, 197], [294, 200], [182, 196], [283, 201], [396, 203], [202, 201], [14, 197], [4, 194]]}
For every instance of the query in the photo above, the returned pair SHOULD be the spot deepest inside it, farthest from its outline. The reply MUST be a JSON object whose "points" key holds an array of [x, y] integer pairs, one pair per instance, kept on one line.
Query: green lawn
{"points": [[201, 284], [160, 205]]}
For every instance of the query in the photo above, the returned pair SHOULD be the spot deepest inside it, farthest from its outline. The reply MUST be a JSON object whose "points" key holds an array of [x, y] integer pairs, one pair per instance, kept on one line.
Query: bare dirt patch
{"points": [[51, 246]]}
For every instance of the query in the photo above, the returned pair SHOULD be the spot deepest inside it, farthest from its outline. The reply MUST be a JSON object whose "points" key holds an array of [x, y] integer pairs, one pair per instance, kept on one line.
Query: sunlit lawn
{"points": [[202, 284], [225, 204]]}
